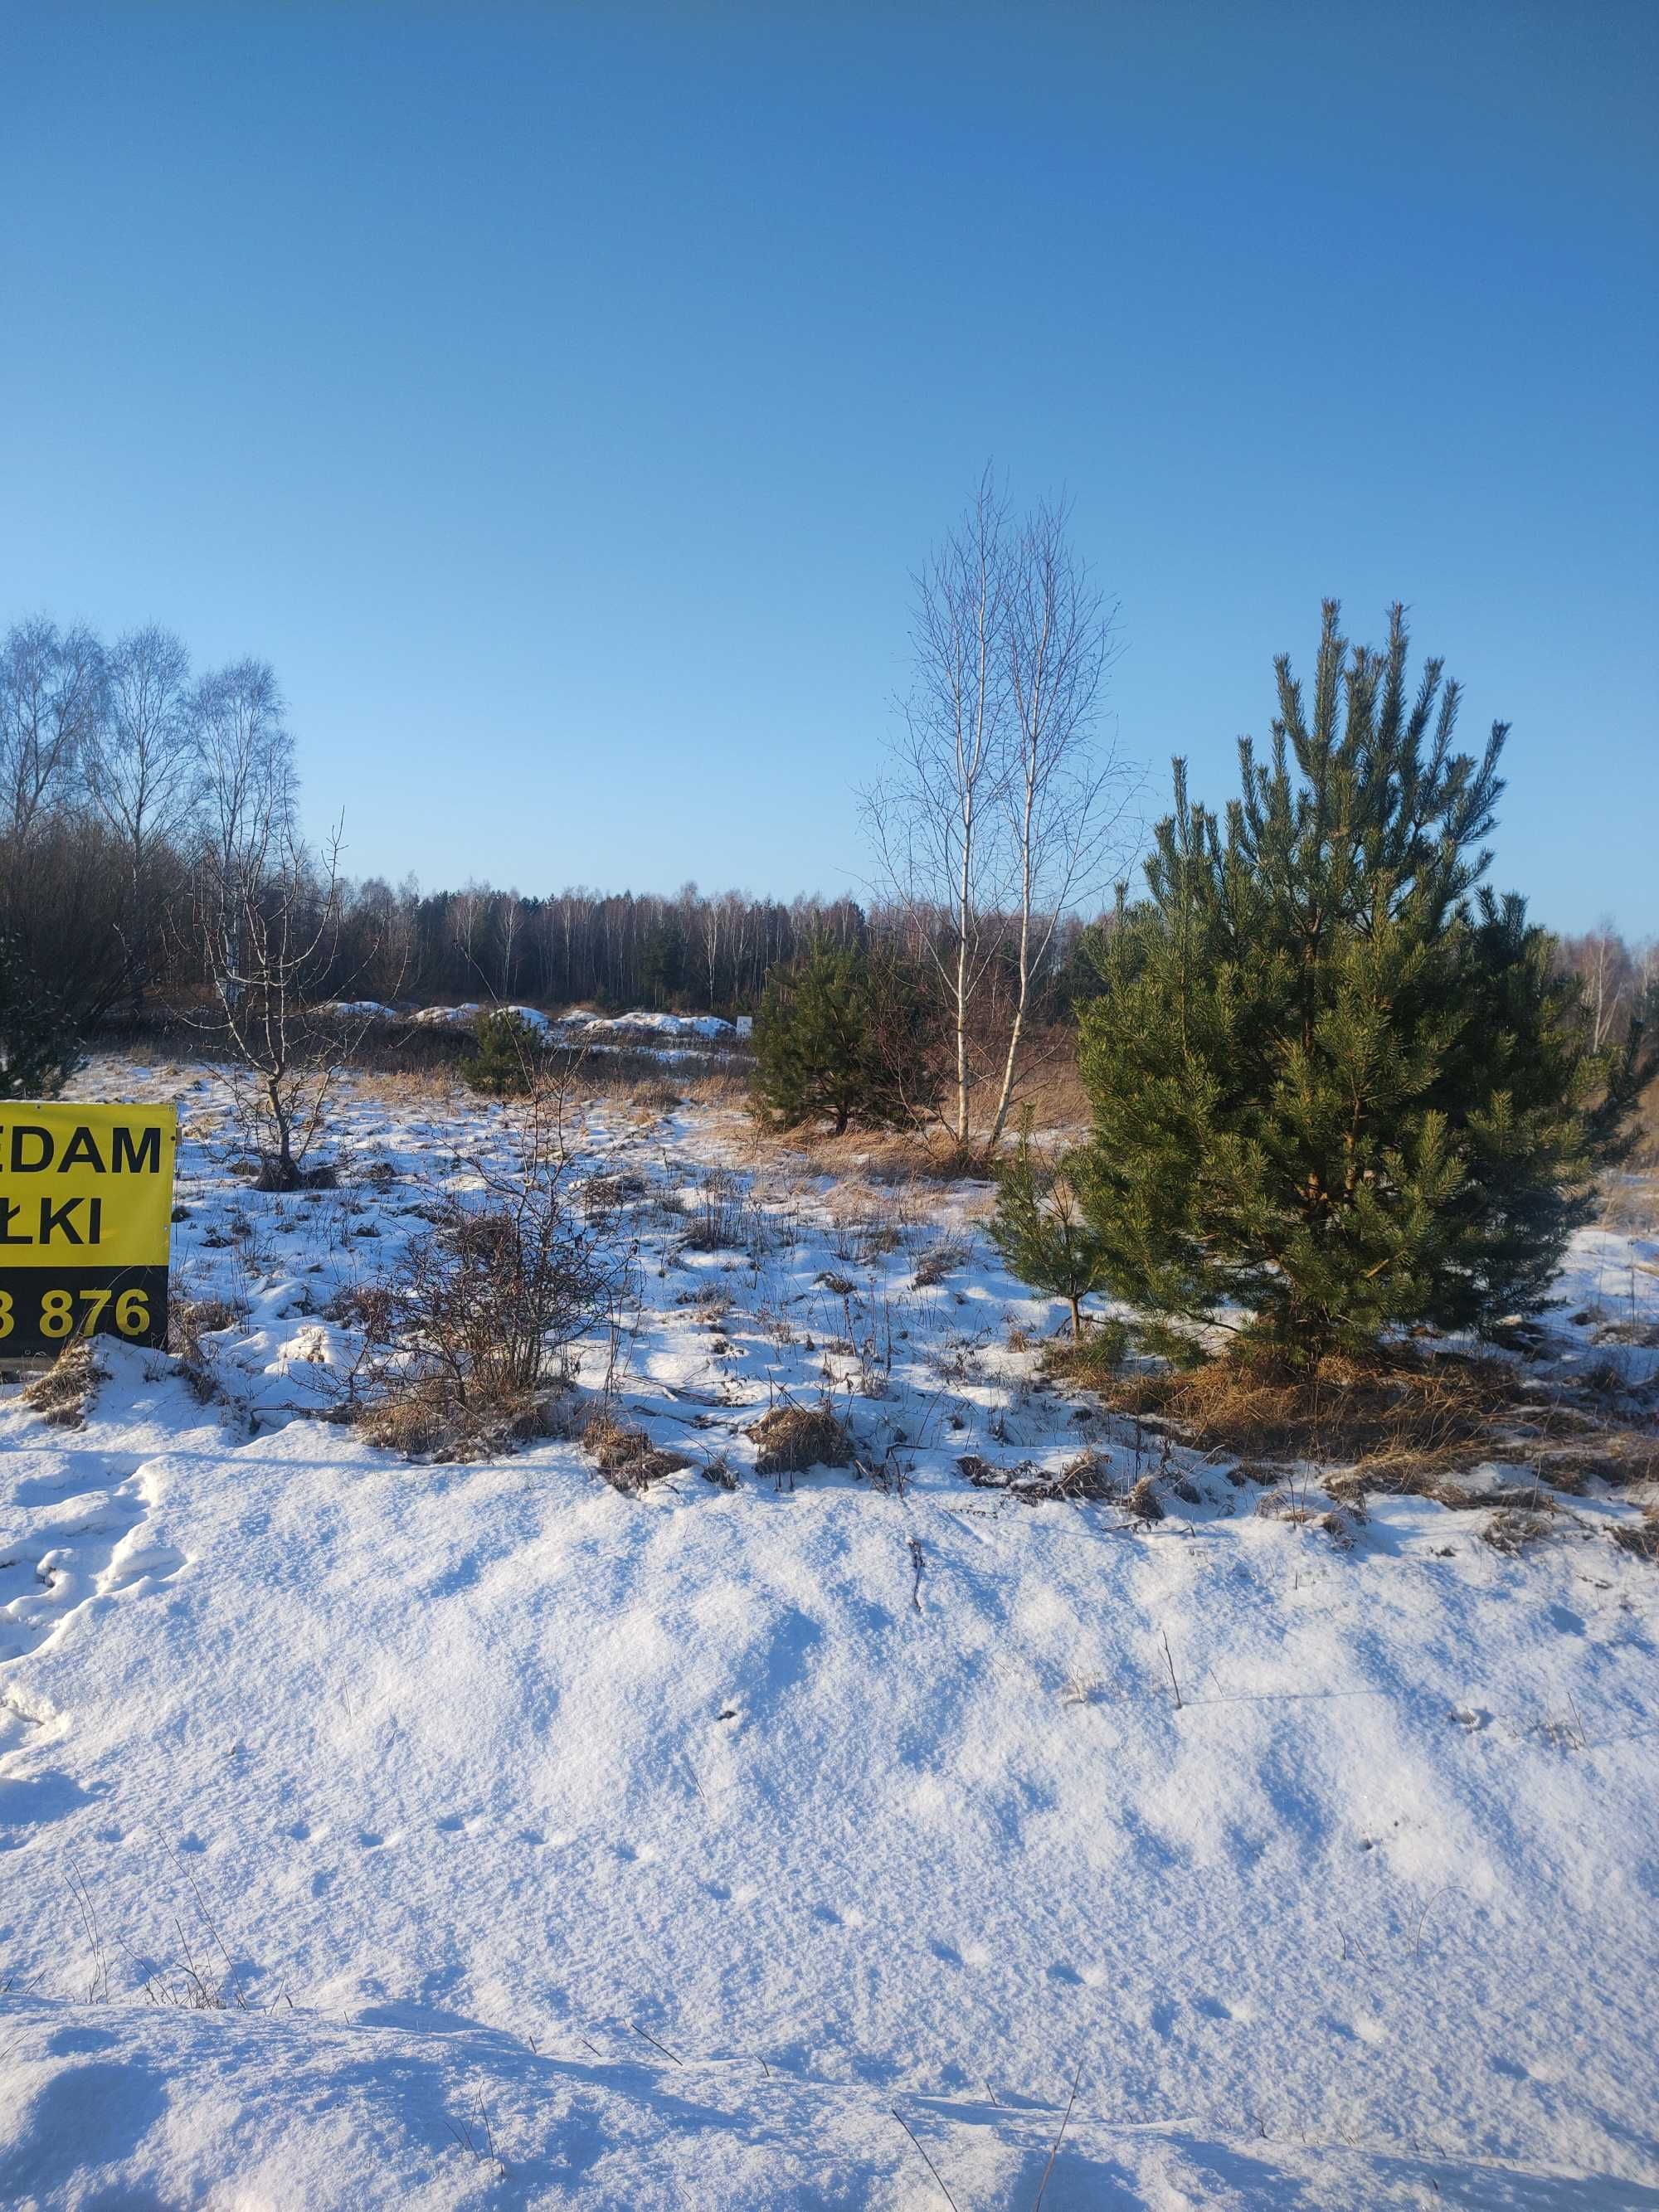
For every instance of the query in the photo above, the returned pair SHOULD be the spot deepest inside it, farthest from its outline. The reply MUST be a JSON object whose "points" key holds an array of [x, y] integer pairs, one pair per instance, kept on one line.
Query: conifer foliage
{"points": [[1040, 1230], [503, 1062], [840, 1036], [1336, 1086], [38, 1047]]}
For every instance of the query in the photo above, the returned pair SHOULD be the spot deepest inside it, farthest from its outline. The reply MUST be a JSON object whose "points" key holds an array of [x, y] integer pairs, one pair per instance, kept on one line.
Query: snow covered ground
{"points": [[577, 1027], [809, 1846]]}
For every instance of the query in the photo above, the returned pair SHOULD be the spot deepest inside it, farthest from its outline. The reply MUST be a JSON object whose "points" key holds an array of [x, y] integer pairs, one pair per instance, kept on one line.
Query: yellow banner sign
{"points": [[86, 1209]]}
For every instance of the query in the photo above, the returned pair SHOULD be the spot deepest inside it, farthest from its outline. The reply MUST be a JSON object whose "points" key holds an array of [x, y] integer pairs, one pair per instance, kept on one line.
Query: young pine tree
{"points": [[1040, 1230], [1334, 1088], [37, 1046], [830, 1043], [504, 1061]]}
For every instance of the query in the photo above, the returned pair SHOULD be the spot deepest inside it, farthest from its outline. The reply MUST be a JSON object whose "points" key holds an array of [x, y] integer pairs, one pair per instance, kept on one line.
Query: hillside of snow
{"points": [[377, 1833]]}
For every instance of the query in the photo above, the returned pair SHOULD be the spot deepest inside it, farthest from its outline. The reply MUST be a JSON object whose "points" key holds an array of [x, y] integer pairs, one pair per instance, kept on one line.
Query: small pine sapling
{"points": [[838, 1038], [1040, 1229], [504, 1061], [38, 1052]]}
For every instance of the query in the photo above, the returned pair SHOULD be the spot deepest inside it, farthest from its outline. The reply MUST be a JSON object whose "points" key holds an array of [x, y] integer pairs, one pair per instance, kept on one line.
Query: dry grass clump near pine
{"points": [[1404, 1422]]}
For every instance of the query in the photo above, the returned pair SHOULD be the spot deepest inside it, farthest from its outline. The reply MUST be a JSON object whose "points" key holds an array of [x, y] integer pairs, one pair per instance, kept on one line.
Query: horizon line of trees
{"points": [[123, 774], [126, 777]]}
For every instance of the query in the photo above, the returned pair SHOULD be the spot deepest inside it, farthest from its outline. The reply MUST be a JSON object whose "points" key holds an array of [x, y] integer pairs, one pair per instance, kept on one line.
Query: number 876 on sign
{"points": [[54, 1312]]}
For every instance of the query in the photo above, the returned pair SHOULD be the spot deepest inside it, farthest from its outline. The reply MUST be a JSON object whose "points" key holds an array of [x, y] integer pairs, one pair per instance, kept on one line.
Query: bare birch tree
{"points": [[1000, 816], [1064, 802], [933, 821], [144, 778], [1608, 975], [245, 758], [266, 927], [51, 695]]}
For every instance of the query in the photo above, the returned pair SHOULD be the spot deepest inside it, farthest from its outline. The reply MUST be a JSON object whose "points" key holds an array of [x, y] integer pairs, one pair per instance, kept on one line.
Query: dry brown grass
{"points": [[423, 1419], [1512, 1528], [188, 1320], [1088, 1479], [791, 1438], [1143, 1502], [63, 1391], [1630, 1203], [1407, 1425], [1641, 1538], [928, 1153], [626, 1456]]}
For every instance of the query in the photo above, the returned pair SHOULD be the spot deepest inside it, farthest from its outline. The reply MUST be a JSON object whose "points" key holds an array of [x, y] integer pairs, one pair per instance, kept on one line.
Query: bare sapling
{"points": [[1001, 816], [517, 1267], [266, 929]]}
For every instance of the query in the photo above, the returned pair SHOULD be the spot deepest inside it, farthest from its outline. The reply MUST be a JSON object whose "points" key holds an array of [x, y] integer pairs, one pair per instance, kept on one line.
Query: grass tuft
{"points": [[791, 1438], [63, 1392], [626, 1456]]}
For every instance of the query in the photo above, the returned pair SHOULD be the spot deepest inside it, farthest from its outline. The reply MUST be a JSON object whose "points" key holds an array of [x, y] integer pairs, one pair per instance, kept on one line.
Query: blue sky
{"points": [[560, 397]]}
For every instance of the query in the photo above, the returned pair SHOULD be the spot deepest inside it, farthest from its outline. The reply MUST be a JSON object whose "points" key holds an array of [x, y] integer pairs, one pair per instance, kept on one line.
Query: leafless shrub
{"points": [[411, 1418], [718, 1470], [264, 922], [460, 1342], [63, 1392]]}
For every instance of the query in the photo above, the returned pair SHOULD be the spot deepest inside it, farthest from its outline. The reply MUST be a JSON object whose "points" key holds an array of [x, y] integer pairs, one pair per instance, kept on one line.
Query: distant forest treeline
{"points": [[123, 774], [687, 951]]}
